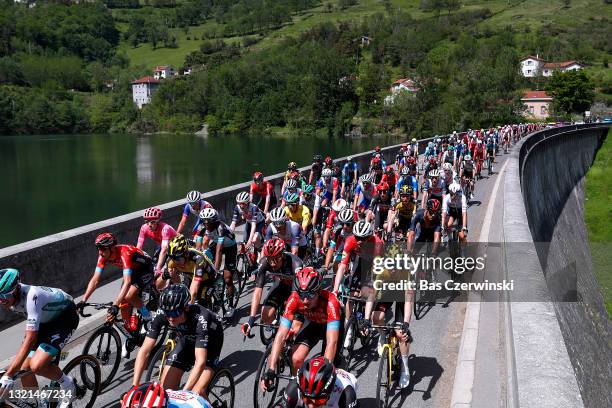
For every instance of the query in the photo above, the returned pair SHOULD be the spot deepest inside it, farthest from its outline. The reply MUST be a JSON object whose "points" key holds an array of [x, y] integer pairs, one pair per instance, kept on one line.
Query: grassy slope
{"points": [[598, 216]]}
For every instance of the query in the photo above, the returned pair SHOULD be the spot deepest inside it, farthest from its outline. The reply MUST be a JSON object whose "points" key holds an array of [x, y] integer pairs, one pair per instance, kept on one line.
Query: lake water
{"points": [[53, 183]]}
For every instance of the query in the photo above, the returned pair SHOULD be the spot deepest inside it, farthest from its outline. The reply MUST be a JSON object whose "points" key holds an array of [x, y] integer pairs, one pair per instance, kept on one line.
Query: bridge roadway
{"points": [[434, 353]]}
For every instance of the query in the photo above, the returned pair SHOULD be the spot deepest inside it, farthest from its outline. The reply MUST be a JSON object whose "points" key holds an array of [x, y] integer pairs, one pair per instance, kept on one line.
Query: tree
{"points": [[572, 92]]}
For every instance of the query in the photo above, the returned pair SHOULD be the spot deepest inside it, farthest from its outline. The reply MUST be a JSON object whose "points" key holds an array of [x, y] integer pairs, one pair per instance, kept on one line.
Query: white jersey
{"points": [[41, 304], [186, 399], [458, 202]]}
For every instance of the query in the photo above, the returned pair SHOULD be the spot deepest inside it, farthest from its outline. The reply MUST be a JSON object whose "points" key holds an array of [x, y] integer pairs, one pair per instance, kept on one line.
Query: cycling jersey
{"points": [[348, 172], [459, 202], [436, 191], [409, 181], [251, 214], [365, 194], [390, 179], [188, 209], [198, 266], [186, 399], [326, 310], [219, 234], [328, 186], [379, 204], [291, 264], [200, 322], [344, 393], [317, 169], [338, 239], [40, 304], [127, 257], [405, 210], [490, 148], [301, 215], [161, 235], [367, 249], [263, 189], [432, 224], [293, 236], [468, 169]]}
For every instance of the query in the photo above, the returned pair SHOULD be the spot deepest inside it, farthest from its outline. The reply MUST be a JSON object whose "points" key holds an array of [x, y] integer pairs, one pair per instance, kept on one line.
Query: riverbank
{"points": [[598, 217]]}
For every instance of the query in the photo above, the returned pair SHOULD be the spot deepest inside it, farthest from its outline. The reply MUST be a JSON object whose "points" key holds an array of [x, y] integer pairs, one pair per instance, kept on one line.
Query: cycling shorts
{"points": [[456, 213], [311, 333], [399, 309], [278, 295], [183, 354], [53, 335], [230, 253]]}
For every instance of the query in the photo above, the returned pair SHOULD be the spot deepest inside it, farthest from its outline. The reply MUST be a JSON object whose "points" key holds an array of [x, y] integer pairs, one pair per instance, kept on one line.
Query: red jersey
{"points": [[372, 247], [390, 179], [264, 189], [127, 257], [331, 218], [479, 152], [327, 309]]}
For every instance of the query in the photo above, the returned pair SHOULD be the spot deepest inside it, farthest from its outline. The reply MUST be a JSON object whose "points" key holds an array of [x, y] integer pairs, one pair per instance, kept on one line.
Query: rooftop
{"points": [[146, 80]]}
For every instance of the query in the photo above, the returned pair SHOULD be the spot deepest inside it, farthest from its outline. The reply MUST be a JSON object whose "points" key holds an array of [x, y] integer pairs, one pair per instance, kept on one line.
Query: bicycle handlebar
{"points": [[97, 306]]}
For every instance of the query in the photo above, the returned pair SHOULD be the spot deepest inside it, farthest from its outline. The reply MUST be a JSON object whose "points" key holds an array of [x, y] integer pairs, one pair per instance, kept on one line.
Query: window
{"points": [[529, 62], [543, 110], [531, 110], [529, 71]]}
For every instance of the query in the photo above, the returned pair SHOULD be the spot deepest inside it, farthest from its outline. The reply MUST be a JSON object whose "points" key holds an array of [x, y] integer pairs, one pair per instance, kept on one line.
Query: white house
{"points": [[537, 104], [401, 85], [532, 66], [163, 72], [550, 67], [143, 89]]}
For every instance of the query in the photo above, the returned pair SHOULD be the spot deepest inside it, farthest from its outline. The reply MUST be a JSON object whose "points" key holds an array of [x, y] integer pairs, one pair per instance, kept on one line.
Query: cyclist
{"points": [[364, 192], [407, 179], [454, 208], [490, 148], [376, 169], [449, 175], [158, 231], [379, 207], [287, 230], [245, 212], [290, 188], [291, 169], [431, 164], [466, 175], [152, 395], [479, 156], [338, 206], [434, 188], [298, 212], [197, 347], [195, 203], [350, 173], [400, 215], [51, 319], [275, 260], [137, 276], [341, 230], [264, 192], [327, 187], [390, 177], [320, 384], [322, 322], [197, 270], [429, 221], [316, 169], [216, 235]]}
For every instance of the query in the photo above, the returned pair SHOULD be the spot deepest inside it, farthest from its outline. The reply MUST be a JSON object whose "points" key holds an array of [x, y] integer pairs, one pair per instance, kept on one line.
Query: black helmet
{"points": [[174, 298]]}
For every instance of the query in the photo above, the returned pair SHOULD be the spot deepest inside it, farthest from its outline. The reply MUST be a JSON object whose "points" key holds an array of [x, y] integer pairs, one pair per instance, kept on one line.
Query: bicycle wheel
{"points": [[156, 364], [221, 389], [266, 334], [269, 399], [105, 345], [384, 381], [347, 349], [85, 370], [242, 266], [237, 280]]}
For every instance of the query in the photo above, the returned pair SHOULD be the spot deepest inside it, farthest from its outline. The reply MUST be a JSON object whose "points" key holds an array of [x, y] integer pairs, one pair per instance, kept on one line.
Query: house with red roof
{"points": [[401, 85], [537, 104], [143, 89], [533, 66], [163, 72]]}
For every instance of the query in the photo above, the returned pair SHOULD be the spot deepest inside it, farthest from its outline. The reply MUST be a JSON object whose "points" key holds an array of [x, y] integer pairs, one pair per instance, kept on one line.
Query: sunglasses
{"points": [[279, 223], [360, 239], [152, 222], [173, 314], [307, 295], [346, 224], [315, 401]]}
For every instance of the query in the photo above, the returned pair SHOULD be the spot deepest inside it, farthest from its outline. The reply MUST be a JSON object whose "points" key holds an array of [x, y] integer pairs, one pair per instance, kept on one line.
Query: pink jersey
{"points": [[162, 234]]}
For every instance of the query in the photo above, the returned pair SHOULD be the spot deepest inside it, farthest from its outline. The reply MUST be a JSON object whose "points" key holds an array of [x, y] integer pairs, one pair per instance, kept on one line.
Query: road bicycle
{"points": [[389, 365], [246, 259], [284, 374], [221, 389], [85, 371]]}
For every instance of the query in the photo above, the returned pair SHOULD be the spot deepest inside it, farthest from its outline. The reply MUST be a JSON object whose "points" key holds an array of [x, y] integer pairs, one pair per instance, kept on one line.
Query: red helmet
{"points": [[432, 161], [147, 395], [328, 160], [390, 169], [307, 281], [316, 379], [258, 177], [294, 175], [433, 205], [377, 149], [382, 186], [411, 160], [274, 248], [106, 240], [405, 146], [152, 214], [376, 160]]}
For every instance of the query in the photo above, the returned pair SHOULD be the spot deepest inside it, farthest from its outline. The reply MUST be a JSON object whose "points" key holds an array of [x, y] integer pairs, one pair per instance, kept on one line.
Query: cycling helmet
{"points": [[433, 205], [308, 189], [389, 169], [209, 214], [258, 177], [362, 229], [411, 160], [328, 161], [9, 279], [174, 298], [291, 184], [382, 186], [194, 197], [292, 198], [377, 149], [292, 166], [242, 197], [177, 246], [432, 161], [106, 240], [278, 215], [346, 215], [479, 141], [407, 153], [414, 140], [146, 395], [454, 188], [339, 205], [316, 378], [366, 178], [451, 148], [294, 175], [349, 158], [467, 157], [434, 173], [307, 281], [327, 173], [317, 158], [438, 140], [406, 190], [274, 248], [152, 214], [405, 171], [447, 166]]}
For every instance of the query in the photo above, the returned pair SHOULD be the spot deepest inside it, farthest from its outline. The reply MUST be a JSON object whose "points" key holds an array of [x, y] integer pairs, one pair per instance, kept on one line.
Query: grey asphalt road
{"points": [[437, 336]]}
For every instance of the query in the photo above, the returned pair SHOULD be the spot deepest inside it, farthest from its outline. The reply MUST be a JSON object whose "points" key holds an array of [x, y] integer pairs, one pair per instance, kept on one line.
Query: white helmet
{"points": [[292, 183], [447, 166], [479, 141], [438, 140], [362, 229], [467, 157], [413, 139], [194, 197], [278, 215], [327, 173], [209, 214], [366, 178], [242, 197], [339, 205], [454, 188], [346, 215], [434, 173]]}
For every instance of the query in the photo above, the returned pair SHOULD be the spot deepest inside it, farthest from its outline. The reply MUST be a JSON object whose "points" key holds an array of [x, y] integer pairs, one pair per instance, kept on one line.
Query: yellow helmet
{"points": [[177, 246]]}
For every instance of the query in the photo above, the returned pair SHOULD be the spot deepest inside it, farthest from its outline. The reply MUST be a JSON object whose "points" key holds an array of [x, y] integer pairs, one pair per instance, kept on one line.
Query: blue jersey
{"points": [[348, 172], [186, 399], [410, 180]]}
